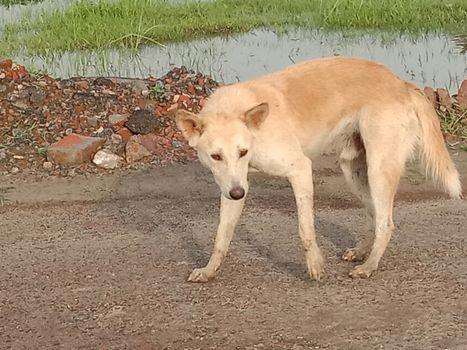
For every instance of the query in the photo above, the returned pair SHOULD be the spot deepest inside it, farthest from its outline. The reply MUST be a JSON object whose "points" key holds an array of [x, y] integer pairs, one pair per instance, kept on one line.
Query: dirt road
{"points": [[101, 263]]}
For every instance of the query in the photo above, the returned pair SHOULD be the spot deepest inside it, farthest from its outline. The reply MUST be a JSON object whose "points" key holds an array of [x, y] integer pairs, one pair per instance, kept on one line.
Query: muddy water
{"points": [[434, 59]]}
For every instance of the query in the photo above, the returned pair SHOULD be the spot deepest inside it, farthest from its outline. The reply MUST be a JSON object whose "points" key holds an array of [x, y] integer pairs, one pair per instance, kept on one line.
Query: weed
{"points": [[39, 74], [454, 122], [157, 91]]}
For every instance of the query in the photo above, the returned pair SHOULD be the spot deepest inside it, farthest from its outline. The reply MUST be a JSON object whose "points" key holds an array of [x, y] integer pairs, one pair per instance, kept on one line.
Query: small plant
{"points": [[157, 91], [454, 122], [42, 151], [39, 74]]}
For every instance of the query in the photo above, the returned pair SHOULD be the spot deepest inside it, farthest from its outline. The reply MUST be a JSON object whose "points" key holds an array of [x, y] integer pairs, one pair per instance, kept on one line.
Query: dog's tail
{"points": [[435, 155]]}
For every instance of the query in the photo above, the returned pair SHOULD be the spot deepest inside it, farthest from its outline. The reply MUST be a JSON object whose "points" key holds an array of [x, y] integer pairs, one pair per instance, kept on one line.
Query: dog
{"points": [[278, 123]]}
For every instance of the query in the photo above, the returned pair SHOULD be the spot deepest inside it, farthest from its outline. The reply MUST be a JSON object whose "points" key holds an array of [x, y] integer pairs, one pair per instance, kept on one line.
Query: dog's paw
{"points": [[315, 263], [201, 275], [354, 254], [361, 271]]}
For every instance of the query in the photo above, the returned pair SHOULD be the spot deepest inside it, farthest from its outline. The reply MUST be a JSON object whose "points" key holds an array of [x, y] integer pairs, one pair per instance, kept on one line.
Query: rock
{"points": [[125, 134], [135, 151], [142, 122], [2, 155], [74, 149], [138, 86], [116, 138], [103, 82], [116, 144], [104, 132], [15, 170], [83, 84], [37, 96], [431, 96], [92, 121], [444, 98], [117, 119], [6, 64], [48, 165], [150, 141], [106, 159], [462, 95]]}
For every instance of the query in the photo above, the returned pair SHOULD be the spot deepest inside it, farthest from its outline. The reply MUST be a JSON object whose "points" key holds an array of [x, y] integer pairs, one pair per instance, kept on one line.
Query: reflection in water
{"points": [[14, 13], [428, 60], [461, 42]]}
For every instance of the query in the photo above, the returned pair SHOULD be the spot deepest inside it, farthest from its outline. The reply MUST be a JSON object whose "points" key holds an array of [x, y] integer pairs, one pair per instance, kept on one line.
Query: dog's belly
{"points": [[330, 142]]}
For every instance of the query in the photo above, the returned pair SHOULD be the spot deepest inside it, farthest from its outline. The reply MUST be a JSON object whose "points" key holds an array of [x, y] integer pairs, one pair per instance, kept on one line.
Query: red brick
{"points": [[462, 95], [74, 149], [6, 65]]}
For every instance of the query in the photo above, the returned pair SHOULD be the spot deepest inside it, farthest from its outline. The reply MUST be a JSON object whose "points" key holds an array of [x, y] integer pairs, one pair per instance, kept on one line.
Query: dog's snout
{"points": [[237, 193]]}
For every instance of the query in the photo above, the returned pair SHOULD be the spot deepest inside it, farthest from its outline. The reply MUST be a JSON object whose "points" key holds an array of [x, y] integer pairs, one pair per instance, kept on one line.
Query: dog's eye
{"points": [[216, 156], [243, 153]]}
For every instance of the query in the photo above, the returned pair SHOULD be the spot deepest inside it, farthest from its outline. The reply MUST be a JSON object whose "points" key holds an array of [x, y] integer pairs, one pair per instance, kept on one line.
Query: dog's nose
{"points": [[237, 193]]}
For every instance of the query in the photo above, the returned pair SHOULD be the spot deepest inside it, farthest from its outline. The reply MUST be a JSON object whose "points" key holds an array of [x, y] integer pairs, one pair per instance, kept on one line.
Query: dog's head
{"points": [[223, 144]]}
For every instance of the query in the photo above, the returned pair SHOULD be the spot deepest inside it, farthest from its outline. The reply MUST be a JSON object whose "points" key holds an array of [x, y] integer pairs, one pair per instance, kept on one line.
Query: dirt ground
{"points": [[101, 263]]}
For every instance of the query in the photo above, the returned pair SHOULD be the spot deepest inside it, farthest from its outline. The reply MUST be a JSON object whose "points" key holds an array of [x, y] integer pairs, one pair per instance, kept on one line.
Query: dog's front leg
{"points": [[229, 215], [302, 184]]}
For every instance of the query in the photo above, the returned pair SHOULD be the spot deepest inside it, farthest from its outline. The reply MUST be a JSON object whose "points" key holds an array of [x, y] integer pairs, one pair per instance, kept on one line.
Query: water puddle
{"points": [[15, 12], [430, 60], [435, 60]]}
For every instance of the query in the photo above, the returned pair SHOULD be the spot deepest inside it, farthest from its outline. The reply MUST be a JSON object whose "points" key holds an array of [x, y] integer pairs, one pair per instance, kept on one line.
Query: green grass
{"points": [[454, 122], [132, 23], [16, 2]]}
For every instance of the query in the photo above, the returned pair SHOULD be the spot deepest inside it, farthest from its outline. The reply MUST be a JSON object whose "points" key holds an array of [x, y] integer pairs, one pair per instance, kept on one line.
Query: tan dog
{"points": [[278, 123]]}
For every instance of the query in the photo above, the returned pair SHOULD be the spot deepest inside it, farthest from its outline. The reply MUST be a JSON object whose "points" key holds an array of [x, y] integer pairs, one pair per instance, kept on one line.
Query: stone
{"points": [[125, 134], [101, 81], [116, 144], [106, 159], [117, 119], [92, 121], [138, 86], [74, 149], [150, 141], [444, 98], [142, 122], [48, 165], [135, 151], [462, 95], [37, 96], [6, 64], [431, 95], [15, 170]]}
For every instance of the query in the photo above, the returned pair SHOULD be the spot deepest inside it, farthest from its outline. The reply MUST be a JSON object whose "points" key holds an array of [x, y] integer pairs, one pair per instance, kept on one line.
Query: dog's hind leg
{"points": [[355, 170], [229, 215], [302, 183], [387, 148]]}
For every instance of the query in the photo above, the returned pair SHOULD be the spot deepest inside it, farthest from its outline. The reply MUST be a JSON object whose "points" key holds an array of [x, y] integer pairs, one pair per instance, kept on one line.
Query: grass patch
{"points": [[132, 23], [17, 2], [454, 122]]}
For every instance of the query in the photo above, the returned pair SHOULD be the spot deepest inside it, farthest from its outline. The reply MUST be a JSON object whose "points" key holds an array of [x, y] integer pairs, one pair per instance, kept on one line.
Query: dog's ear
{"points": [[255, 116], [189, 124]]}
